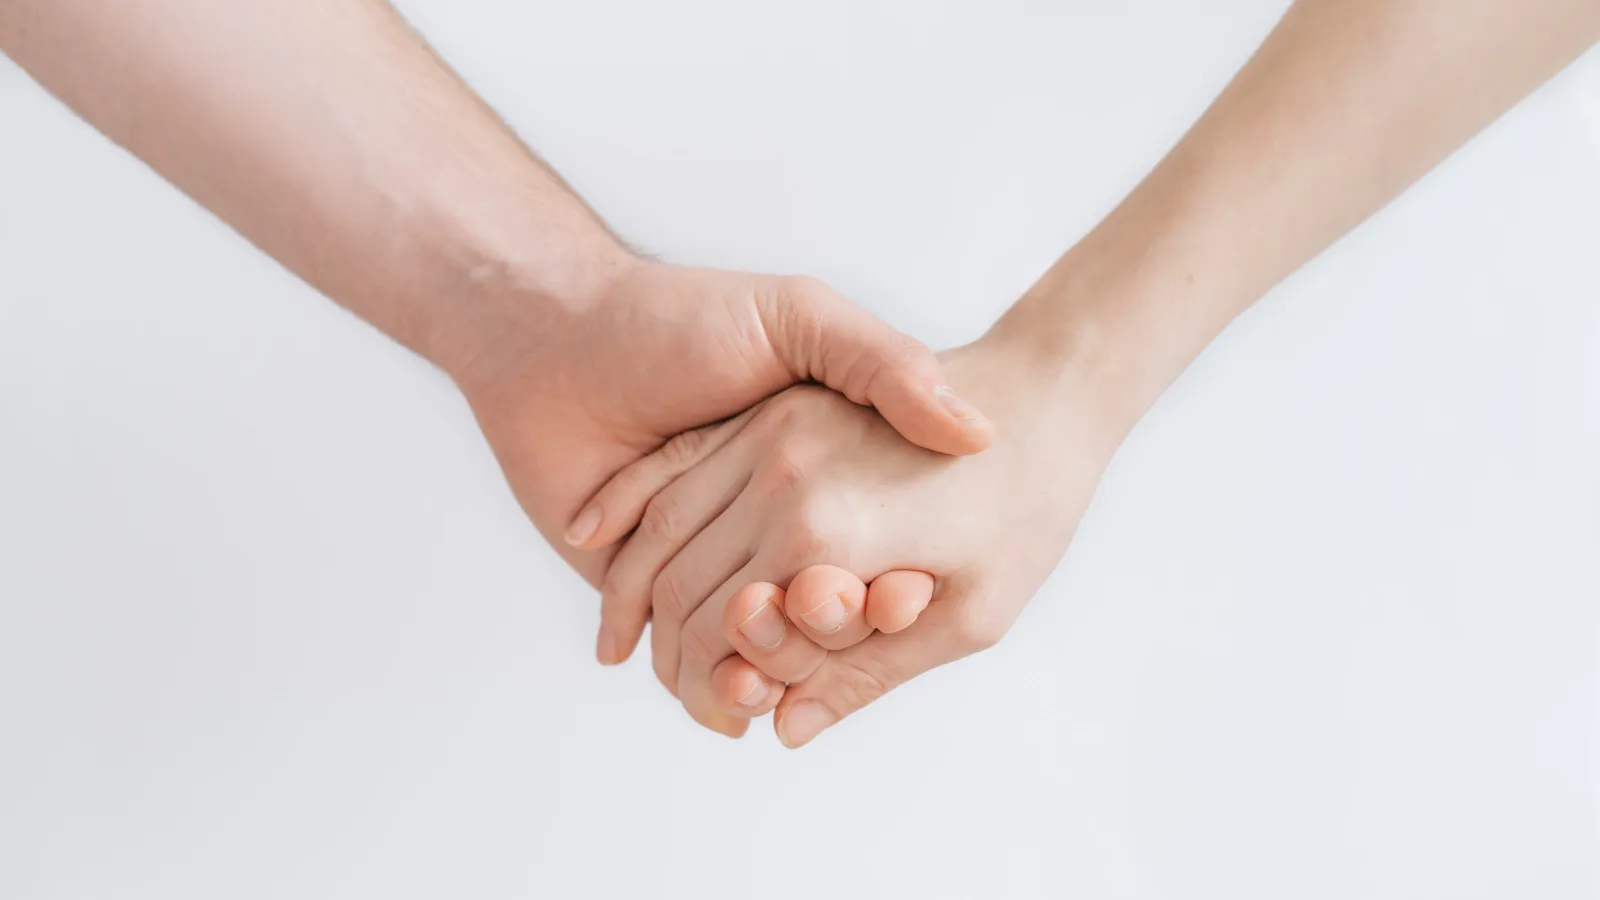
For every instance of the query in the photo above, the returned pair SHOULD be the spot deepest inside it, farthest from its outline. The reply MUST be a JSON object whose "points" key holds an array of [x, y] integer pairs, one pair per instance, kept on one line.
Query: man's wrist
{"points": [[508, 290]]}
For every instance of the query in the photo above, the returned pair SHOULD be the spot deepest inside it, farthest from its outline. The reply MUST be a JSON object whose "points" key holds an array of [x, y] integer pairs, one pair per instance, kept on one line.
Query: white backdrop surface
{"points": [[270, 625]]}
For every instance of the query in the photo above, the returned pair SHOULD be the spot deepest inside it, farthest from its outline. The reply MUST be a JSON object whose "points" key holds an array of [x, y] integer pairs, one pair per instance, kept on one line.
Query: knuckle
{"points": [[899, 358], [790, 467], [977, 629], [682, 449], [663, 517], [808, 542], [784, 412], [857, 684], [701, 647], [668, 599], [784, 472], [805, 306]]}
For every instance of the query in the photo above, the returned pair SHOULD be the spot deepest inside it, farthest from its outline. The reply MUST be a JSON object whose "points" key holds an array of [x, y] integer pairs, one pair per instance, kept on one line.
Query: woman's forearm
{"points": [[1345, 104], [330, 136]]}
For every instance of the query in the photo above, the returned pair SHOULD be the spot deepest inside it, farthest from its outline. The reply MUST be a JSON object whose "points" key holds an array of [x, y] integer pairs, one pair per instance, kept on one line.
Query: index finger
{"points": [[618, 507], [755, 625], [852, 678]]}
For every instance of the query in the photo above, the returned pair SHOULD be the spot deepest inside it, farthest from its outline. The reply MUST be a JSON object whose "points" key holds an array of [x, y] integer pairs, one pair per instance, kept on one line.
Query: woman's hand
{"points": [[1345, 104], [809, 478], [772, 655]]}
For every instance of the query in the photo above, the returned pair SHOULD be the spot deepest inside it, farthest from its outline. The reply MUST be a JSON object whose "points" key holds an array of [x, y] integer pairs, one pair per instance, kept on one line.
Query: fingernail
{"points": [[753, 697], [804, 721], [605, 647], [956, 406], [826, 618], [584, 526], [763, 628]]}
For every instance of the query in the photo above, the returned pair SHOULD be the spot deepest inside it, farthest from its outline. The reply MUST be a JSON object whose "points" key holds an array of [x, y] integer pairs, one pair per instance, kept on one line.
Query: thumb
{"points": [[820, 335], [850, 679]]}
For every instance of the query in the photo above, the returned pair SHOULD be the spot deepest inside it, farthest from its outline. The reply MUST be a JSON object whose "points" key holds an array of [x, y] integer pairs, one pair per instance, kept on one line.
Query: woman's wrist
{"points": [[1124, 312], [1068, 348], [1042, 387]]}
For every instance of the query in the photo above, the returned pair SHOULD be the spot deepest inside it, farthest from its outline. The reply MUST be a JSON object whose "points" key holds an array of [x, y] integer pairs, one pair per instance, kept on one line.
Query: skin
{"points": [[1345, 105], [330, 135], [813, 481]]}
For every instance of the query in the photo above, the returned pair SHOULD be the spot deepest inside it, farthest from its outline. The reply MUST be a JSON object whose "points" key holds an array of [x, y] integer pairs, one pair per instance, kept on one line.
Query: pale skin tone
{"points": [[1344, 106], [331, 137], [328, 134]]}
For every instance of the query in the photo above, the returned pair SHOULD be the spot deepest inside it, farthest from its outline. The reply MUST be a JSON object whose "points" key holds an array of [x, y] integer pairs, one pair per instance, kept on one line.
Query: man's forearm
{"points": [[330, 136], [1345, 105]]}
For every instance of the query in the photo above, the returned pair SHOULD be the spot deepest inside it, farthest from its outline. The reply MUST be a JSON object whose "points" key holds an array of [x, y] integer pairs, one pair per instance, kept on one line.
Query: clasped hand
{"points": [[803, 558]]}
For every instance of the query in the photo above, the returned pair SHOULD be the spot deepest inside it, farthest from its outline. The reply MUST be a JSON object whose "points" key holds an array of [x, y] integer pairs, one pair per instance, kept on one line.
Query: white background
{"points": [[270, 626]]}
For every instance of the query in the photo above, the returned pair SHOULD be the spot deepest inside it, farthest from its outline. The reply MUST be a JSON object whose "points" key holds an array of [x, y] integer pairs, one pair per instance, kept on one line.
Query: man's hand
{"points": [[334, 139], [569, 396]]}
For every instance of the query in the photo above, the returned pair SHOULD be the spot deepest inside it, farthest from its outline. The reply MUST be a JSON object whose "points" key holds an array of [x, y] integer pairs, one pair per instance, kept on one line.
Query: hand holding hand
{"points": [[807, 479], [777, 637], [569, 394]]}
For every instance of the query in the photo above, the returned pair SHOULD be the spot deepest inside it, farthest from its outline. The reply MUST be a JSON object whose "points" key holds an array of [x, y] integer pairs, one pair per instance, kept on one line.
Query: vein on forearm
{"points": [[331, 136]]}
